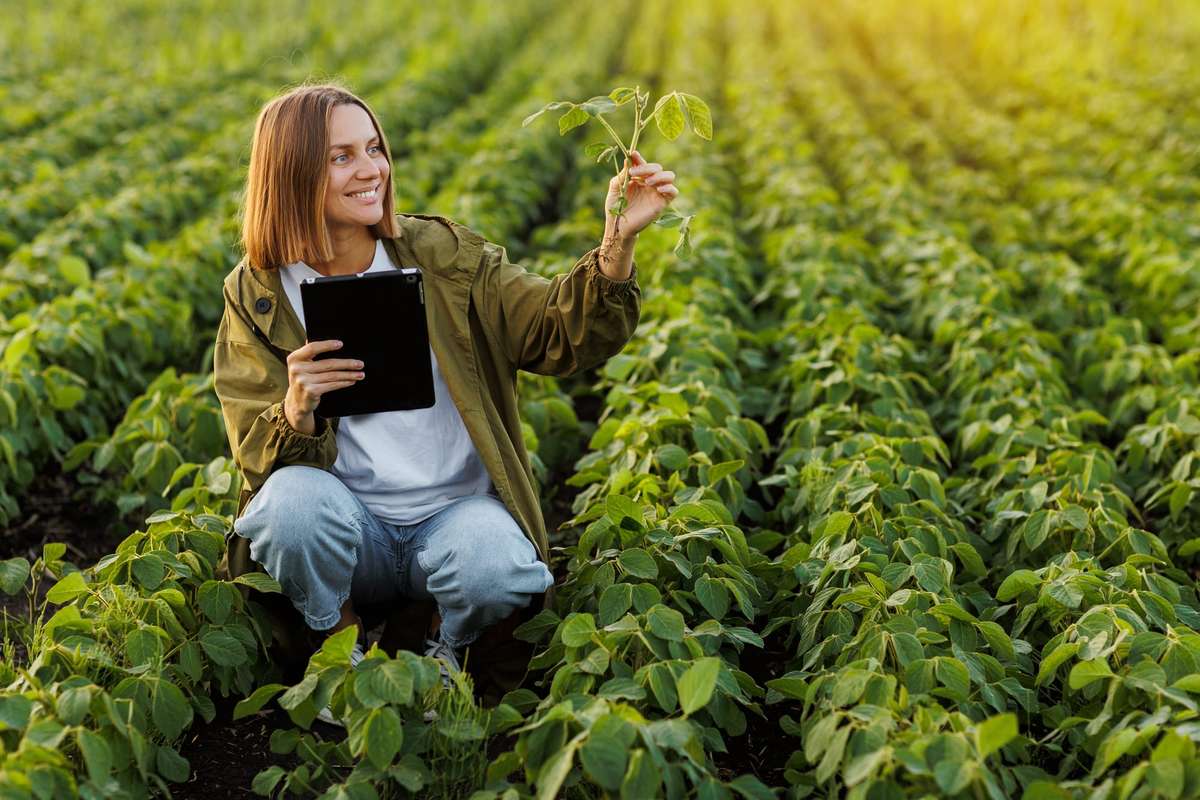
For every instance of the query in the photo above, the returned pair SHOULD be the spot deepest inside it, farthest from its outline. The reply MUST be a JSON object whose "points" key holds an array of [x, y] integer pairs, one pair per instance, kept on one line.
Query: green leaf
{"points": [[259, 581], [96, 755], [264, 783], [383, 736], [697, 684], [672, 456], [929, 575], [67, 589], [642, 778], [700, 115], [995, 732], [1181, 495], [601, 104], [72, 705], [637, 562], [713, 595], [557, 104], [223, 649], [543, 623], [14, 711], [297, 694], [862, 766], [605, 755], [171, 765], [1016, 584], [618, 508], [74, 269], [20, 344], [954, 676], [571, 120], [751, 788], [143, 646], [614, 602], [216, 600], [554, 771], [578, 630], [1056, 658], [389, 682], [1087, 672], [170, 709], [833, 755], [666, 623], [149, 570], [1037, 528], [259, 698], [725, 468], [13, 574], [668, 116], [835, 524]]}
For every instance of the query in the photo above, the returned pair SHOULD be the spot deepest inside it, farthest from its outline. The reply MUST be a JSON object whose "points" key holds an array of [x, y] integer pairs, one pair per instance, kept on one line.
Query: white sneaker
{"points": [[449, 657], [450, 663], [325, 715]]}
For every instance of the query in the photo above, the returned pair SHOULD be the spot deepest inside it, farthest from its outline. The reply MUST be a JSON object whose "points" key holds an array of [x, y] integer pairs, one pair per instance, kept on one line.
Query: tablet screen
{"points": [[380, 319]]}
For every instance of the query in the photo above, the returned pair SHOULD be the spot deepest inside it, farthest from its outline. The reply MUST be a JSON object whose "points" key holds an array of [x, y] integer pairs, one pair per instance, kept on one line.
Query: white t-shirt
{"points": [[404, 465]]}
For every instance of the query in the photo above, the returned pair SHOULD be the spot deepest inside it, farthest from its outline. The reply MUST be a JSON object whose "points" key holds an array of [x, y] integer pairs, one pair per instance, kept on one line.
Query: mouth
{"points": [[367, 197]]}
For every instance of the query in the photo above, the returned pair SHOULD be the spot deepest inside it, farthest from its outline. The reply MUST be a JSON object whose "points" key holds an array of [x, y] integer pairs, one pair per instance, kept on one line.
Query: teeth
{"points": [[365, 194]]}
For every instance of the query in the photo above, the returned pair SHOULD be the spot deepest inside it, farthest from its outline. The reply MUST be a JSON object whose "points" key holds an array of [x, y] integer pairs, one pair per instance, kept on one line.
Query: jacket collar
{"points": [[262, 295]]}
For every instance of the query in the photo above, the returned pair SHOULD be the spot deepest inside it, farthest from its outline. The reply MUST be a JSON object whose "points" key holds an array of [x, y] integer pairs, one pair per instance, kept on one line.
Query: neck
{"points": [[353, 251]]}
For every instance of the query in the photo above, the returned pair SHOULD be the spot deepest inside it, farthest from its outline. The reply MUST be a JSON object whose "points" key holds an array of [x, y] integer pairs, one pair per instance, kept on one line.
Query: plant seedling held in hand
{"points": [[673, 113]]}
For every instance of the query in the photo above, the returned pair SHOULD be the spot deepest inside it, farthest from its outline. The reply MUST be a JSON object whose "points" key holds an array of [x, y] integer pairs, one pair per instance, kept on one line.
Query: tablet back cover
{"points": [[380, 319]]}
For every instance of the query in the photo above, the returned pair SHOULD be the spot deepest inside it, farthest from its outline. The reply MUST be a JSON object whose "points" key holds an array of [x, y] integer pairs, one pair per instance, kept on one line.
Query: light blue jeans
{"points": [[318, 540]]}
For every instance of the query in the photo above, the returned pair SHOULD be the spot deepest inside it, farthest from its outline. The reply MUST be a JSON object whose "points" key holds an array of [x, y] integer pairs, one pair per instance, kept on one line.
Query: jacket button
{"points": [[262, 305]]}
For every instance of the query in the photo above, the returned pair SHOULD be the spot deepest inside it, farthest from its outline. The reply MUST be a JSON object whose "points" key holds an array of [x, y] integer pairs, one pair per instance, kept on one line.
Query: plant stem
{"points": [[620, 144]]}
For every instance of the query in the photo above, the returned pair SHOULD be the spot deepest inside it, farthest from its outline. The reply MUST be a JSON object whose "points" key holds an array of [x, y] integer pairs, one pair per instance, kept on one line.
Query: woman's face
{"points": [[355, 164]]}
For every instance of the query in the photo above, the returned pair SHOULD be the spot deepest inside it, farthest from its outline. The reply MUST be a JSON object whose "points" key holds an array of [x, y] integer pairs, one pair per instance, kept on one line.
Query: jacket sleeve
{"points": [[561, 325], [251, 382]]}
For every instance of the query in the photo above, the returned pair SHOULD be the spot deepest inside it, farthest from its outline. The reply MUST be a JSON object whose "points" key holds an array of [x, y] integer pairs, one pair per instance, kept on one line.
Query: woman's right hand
{"points": [[309, 379]]}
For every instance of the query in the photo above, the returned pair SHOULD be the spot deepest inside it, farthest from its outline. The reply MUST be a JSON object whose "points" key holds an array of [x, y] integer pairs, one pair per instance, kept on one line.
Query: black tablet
{"points": [[380, 319]]}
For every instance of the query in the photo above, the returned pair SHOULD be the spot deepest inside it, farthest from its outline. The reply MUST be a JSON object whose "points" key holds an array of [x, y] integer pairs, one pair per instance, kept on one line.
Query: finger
{"points": [[329, 387], [322, 378], [307, 351], [324, 365], [645, 169], [665, 176], [331, 364], [668, 191], [637, 157]]}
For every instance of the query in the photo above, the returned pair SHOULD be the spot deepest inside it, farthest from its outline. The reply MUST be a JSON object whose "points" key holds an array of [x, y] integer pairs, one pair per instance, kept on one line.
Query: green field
{"points": [[894, 493]]}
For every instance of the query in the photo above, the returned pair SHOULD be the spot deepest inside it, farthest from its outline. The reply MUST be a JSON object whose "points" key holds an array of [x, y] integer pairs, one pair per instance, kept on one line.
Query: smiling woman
{"points": [[359, 517]]}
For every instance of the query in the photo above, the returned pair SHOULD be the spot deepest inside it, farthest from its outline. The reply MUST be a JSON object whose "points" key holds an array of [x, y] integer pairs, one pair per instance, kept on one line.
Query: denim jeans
{"points": [[318, 540]]}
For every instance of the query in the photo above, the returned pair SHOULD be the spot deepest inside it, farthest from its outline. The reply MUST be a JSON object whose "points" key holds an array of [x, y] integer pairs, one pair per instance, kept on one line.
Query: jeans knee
{"points": [[300, 507]]}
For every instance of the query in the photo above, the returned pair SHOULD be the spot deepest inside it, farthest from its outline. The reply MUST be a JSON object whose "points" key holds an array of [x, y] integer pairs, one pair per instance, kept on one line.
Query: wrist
{"points": [[300, 422]]}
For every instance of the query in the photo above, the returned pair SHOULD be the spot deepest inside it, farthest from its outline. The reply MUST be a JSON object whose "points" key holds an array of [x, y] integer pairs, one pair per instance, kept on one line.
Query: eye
{"points": [[377, 147]]}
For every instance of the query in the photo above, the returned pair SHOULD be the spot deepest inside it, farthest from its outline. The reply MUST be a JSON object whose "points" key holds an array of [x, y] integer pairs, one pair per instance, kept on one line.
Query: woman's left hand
{"points": [[650, 190]]}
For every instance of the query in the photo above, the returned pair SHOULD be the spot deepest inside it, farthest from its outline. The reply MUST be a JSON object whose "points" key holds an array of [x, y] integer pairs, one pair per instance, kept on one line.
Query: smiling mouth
{"points": [[367, 195]]}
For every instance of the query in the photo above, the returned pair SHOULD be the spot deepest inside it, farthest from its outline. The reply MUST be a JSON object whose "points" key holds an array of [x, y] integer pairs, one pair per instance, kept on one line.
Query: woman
{"points": [[435, 504]]}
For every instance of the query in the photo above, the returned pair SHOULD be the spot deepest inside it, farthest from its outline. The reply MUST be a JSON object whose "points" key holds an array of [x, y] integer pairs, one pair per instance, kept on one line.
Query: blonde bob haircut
{"points": [[283, 217]]}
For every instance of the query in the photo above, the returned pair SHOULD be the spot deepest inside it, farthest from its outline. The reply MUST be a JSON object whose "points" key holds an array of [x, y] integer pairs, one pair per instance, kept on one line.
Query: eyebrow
{"points": [[348, 146]]}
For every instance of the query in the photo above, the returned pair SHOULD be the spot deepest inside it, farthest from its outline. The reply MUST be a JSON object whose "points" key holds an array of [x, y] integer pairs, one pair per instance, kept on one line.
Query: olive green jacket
{"points": [[487, 318]]}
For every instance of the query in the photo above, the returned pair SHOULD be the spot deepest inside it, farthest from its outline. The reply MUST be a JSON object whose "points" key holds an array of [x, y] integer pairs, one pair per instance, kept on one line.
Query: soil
{"points": [[226, 755]]}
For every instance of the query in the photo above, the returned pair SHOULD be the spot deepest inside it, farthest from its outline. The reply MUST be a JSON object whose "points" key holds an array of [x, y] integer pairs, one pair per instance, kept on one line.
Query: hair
{"points": [[283, 217]]}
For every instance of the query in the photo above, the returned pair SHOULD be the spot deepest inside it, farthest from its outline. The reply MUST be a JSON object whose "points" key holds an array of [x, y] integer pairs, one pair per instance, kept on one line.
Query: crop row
{"points": [[1091, 575], [1142, 390]]}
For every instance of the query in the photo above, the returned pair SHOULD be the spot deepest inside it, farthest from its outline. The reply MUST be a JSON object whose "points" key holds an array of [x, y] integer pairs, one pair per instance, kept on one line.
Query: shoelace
{"points": [[448, 656]]}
